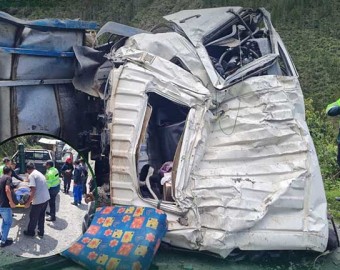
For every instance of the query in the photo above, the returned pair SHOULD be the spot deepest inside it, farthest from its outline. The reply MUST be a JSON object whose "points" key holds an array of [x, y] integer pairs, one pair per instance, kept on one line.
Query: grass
{"points": [[333, 205]]}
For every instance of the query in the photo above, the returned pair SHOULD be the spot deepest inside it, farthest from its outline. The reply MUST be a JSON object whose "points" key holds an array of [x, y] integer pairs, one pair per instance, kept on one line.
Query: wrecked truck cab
{"points": [[228, 112], [211, 102], [237, 44]]}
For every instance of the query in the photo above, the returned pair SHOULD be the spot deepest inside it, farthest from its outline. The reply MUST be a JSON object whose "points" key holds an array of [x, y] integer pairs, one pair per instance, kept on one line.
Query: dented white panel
{"points": [[248, 175], [259, 174]]}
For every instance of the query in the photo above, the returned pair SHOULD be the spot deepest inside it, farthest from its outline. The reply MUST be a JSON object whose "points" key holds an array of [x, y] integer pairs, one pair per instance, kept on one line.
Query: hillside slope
{"points": [[309, 28]]}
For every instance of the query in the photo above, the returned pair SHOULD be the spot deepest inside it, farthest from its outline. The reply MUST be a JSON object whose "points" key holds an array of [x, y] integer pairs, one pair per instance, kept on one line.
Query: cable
{"points": [[232, 131]]}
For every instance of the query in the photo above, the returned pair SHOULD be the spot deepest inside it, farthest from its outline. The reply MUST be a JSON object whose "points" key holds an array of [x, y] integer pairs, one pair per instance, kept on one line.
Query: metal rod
{"points": [[9, 83], [244, 23]]}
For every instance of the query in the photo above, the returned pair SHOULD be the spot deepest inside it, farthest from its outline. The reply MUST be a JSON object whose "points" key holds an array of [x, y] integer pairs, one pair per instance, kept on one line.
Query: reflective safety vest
{"points": [[333, 109], [2, 170], [52, 177]]}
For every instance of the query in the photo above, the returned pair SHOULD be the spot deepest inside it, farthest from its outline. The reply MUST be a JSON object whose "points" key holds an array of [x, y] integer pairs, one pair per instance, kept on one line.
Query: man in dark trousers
{"points": [[53, 184], [39, 197], [84, 175], [6, 203], [77, 183], [67, 170]]}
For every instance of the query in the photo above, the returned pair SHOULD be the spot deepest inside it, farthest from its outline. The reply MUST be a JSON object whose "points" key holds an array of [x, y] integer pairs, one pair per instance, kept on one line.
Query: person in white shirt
{"points": [[39, 197]]}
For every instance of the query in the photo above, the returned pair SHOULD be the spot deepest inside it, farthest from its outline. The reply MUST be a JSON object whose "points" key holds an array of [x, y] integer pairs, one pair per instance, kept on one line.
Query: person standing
{"points": [[7, 162], [39, 197], [333, 109], [53, 184], [84, 175], [67, 170], [3, 165], [6, 203], [77, 183]]}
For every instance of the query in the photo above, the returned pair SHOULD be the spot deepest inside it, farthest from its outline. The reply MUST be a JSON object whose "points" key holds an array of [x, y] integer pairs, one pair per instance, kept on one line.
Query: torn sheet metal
{"points": [[233, 29], [245, 171], [128, 104], [247, 174], [91, 72], [119, 29], [198, 23], [172, 47], [270, 175]]}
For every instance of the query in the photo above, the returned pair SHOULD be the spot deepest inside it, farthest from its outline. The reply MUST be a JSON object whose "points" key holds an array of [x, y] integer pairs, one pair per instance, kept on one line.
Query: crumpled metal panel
{"points": [[198, 23], [269, 184], [247, 174], [128, 103], [170, 46], [91, 70], [175, 83], [119, 29]]}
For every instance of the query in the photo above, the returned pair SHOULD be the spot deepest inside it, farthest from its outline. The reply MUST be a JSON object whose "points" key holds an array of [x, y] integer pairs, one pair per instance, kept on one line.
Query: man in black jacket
{"points": [[66, 171]]}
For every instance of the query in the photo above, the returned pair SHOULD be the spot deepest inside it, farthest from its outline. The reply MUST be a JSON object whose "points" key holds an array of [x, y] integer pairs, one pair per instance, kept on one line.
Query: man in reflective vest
{"points": [[333, 109], [53, 184]]}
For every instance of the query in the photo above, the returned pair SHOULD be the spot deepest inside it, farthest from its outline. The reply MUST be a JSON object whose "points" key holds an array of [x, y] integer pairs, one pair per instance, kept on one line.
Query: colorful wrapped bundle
{"points": [[120, 237]]}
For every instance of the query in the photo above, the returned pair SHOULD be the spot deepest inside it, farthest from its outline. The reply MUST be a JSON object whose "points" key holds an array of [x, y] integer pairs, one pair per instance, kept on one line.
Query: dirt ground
{"points": [[58, 234]]}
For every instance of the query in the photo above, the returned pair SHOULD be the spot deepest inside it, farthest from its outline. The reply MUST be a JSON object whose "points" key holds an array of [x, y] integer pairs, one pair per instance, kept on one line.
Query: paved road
{"points": [[58, 234]]}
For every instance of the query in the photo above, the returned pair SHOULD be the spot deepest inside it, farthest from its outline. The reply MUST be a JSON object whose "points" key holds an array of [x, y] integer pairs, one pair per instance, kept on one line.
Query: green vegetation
{"points": [[309, 28], [9, 147]]}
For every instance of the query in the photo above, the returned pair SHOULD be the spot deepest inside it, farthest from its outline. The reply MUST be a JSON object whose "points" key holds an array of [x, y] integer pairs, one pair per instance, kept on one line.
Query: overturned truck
{"points": [[202, 117]]}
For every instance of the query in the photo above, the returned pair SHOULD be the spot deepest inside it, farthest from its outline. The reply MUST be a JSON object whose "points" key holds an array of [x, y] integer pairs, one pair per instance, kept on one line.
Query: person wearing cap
{"points": [[7, 162], [39, 197], [67, 170], [53, 184], [6, 203], [333, 109]]}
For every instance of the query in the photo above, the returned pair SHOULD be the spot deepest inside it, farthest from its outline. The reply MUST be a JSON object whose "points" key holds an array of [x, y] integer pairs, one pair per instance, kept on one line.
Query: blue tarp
{"points": [[50, 23]]}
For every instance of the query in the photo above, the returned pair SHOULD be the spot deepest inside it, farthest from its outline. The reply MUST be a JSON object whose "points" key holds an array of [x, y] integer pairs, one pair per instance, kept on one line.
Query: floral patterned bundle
{"points": [[120, 237]]}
